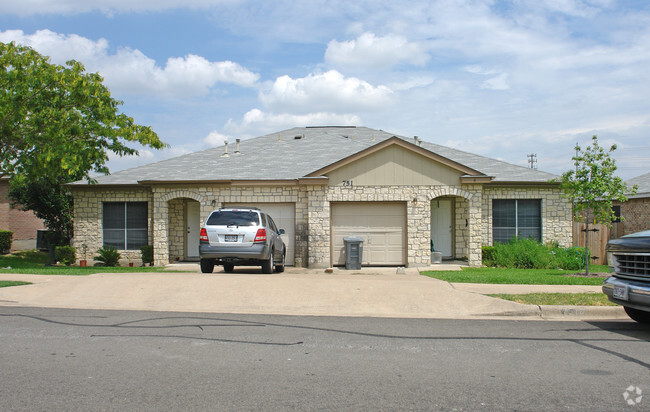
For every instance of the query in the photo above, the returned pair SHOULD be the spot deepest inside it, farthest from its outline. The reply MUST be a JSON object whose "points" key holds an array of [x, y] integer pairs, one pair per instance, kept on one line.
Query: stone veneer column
{"points": [[318, 211], [160, 230], [474, 253]]}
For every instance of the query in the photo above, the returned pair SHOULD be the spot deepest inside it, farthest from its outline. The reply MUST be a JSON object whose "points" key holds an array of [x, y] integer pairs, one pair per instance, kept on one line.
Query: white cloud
{"points": [[326, 92], [499, 82], [256, 122], [216, 139], [130, 71], [369, 51], [70, 7]]}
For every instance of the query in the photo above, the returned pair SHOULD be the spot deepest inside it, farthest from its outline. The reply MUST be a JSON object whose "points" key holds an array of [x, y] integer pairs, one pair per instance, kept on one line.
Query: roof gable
{"points": [[395, 141]]}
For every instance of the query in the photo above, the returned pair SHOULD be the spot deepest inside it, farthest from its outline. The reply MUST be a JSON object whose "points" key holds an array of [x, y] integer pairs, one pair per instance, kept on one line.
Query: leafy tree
{"points": [[592, 186], [57, 125]]}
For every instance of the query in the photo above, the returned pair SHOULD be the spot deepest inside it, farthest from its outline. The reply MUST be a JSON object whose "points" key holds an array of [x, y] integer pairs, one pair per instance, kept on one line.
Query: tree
{"points": [[57, 125], [592, 186]]}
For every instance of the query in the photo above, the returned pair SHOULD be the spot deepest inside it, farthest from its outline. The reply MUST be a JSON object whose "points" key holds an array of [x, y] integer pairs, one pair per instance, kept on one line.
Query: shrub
{"points": [[147, 254], [530, 254], [572, 258], [5, 241], [109, 256], [65, 254], [488, 255]]}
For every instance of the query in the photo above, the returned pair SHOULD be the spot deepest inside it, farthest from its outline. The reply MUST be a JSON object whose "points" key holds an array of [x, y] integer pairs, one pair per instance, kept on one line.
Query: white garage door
{"points": [[284, 216], [380, 225]]}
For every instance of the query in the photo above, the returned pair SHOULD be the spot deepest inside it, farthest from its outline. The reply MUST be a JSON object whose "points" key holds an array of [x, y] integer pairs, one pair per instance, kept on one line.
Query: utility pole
{"points": [[532, 160]]}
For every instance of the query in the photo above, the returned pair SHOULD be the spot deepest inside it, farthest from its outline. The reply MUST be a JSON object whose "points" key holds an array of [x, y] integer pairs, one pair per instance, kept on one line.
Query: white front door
{"points": [[192, 223], [441, 226]]}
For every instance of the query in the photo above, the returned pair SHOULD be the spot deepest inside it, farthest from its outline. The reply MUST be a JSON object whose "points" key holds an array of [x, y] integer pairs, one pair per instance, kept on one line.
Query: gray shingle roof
{"points": [[643, 183], [295, 153]]}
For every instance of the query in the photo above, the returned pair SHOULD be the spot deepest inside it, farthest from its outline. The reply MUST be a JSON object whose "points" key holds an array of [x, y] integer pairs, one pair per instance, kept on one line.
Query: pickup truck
{"points": [[629, 286]]}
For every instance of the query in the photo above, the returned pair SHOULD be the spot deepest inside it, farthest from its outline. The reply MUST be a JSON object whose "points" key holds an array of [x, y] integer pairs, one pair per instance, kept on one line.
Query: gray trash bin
{"points": [[353, 252]]}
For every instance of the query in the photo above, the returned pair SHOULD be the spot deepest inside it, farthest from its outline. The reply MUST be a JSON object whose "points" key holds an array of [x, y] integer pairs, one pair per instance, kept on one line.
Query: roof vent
{"points": [[225, 149], [279, 138], [237, 152], [299, 137]]}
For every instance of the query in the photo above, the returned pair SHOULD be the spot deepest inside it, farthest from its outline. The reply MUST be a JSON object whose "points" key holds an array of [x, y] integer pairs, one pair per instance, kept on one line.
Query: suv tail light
{"points": [[203, 236], [260, 236]]}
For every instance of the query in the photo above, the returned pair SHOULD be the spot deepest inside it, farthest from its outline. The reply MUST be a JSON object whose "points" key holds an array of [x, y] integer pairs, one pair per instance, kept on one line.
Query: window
{"points": [[125, 225], [617, 214], [516, 217]]}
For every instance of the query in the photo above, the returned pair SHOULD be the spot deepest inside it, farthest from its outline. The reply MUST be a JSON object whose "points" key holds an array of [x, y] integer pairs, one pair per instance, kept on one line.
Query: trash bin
{"points": [[353, 252]]}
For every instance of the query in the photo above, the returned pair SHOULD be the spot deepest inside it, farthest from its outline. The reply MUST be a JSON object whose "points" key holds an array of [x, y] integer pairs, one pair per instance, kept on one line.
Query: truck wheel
{"points": [[267, 265], [640, 316], [207, 265], [228, 267]]}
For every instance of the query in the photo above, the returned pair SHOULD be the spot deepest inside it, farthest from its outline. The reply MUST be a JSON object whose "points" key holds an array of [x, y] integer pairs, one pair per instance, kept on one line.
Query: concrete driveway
{"points": [[377, 292]]}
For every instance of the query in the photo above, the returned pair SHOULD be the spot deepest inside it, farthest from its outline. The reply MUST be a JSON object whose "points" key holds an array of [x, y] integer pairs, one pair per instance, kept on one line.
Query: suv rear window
{"points": [[234, 218]]}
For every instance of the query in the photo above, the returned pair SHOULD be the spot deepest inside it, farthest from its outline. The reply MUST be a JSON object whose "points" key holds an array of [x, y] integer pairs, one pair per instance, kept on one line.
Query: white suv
{"points": [[241, 237]]}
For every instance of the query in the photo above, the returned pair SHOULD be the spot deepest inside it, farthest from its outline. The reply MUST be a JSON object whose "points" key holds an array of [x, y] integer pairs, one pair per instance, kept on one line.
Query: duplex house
{"points": [[403, 196]]}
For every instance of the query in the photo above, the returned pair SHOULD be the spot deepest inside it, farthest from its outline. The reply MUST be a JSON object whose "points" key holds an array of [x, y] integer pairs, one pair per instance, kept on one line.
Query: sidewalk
{"points": [[376, 292]]}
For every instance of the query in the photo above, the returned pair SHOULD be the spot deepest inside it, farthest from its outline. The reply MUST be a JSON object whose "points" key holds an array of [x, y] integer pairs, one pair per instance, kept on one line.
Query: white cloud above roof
{"points": [[370, 51], [325, 92], [129, 71]]}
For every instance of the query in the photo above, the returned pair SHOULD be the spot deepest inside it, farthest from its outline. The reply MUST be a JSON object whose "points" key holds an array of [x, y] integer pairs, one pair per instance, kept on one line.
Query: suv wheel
{"points": [[279, 267], [640, 316], [267, 265], [207, 265], [228, 267]]}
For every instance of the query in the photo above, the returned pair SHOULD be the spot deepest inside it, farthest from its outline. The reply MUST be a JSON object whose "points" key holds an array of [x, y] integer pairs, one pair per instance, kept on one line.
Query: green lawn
{"points": [[518, 276], [34, 262], [579, 299]]}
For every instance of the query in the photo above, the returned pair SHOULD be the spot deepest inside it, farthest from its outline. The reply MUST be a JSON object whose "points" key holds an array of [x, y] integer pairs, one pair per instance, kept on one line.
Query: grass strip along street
{"points": [[7, 283], [520, 276], [573, 299], [492, 275], [32, 262]]}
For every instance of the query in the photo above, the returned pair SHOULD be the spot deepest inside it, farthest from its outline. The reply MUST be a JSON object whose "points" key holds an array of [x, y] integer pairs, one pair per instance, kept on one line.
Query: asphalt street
{"points": [[65, 359]]}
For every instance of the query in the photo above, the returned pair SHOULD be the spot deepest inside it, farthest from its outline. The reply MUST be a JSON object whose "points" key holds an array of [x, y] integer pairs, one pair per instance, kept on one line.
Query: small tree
{"points": [[58, 124], [592, 187]]}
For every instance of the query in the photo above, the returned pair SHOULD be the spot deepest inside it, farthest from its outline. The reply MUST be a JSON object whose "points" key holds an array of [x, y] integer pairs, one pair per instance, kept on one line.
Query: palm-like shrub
{"points": [[109, 256]]}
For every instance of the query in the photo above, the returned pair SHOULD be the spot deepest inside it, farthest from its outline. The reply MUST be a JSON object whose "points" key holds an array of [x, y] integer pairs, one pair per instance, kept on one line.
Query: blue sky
{"points": [[497, 78]]}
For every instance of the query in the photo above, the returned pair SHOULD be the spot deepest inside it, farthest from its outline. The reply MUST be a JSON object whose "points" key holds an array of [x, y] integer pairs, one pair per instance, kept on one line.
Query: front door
{"points": [[192, 212], [441, 226]]}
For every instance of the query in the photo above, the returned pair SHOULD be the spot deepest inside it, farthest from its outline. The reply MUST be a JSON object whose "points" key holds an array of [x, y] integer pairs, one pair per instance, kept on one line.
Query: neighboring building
{"points": [[636, 210], [321, 184], [24, 224]]}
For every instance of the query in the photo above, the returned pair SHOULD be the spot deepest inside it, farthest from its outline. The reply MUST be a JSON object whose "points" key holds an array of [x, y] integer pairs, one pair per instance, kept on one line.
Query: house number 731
{"points": [[347, 183]]}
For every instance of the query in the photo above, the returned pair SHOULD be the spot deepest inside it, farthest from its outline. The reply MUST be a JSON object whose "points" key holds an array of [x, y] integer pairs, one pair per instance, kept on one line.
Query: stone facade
{"points": [[88, 233], [471, 219], [556, 211]]}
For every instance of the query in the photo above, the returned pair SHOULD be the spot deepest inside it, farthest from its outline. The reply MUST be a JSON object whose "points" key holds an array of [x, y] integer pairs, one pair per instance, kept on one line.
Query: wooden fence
{"points": [[597, 241]]}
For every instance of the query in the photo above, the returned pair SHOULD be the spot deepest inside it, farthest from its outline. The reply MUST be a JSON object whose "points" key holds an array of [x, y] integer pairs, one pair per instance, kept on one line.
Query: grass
{"points": [[519, 276], [574, 299], [7, 283], [34, 262]]}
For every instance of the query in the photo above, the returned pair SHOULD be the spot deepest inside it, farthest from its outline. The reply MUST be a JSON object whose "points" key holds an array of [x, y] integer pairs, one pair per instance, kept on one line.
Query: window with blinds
{"points": [[516, 217], [125, 225]]}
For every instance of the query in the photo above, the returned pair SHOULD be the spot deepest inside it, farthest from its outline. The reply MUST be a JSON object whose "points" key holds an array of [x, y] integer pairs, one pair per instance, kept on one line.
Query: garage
{"points": [[381, 225], [284, 216]]}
